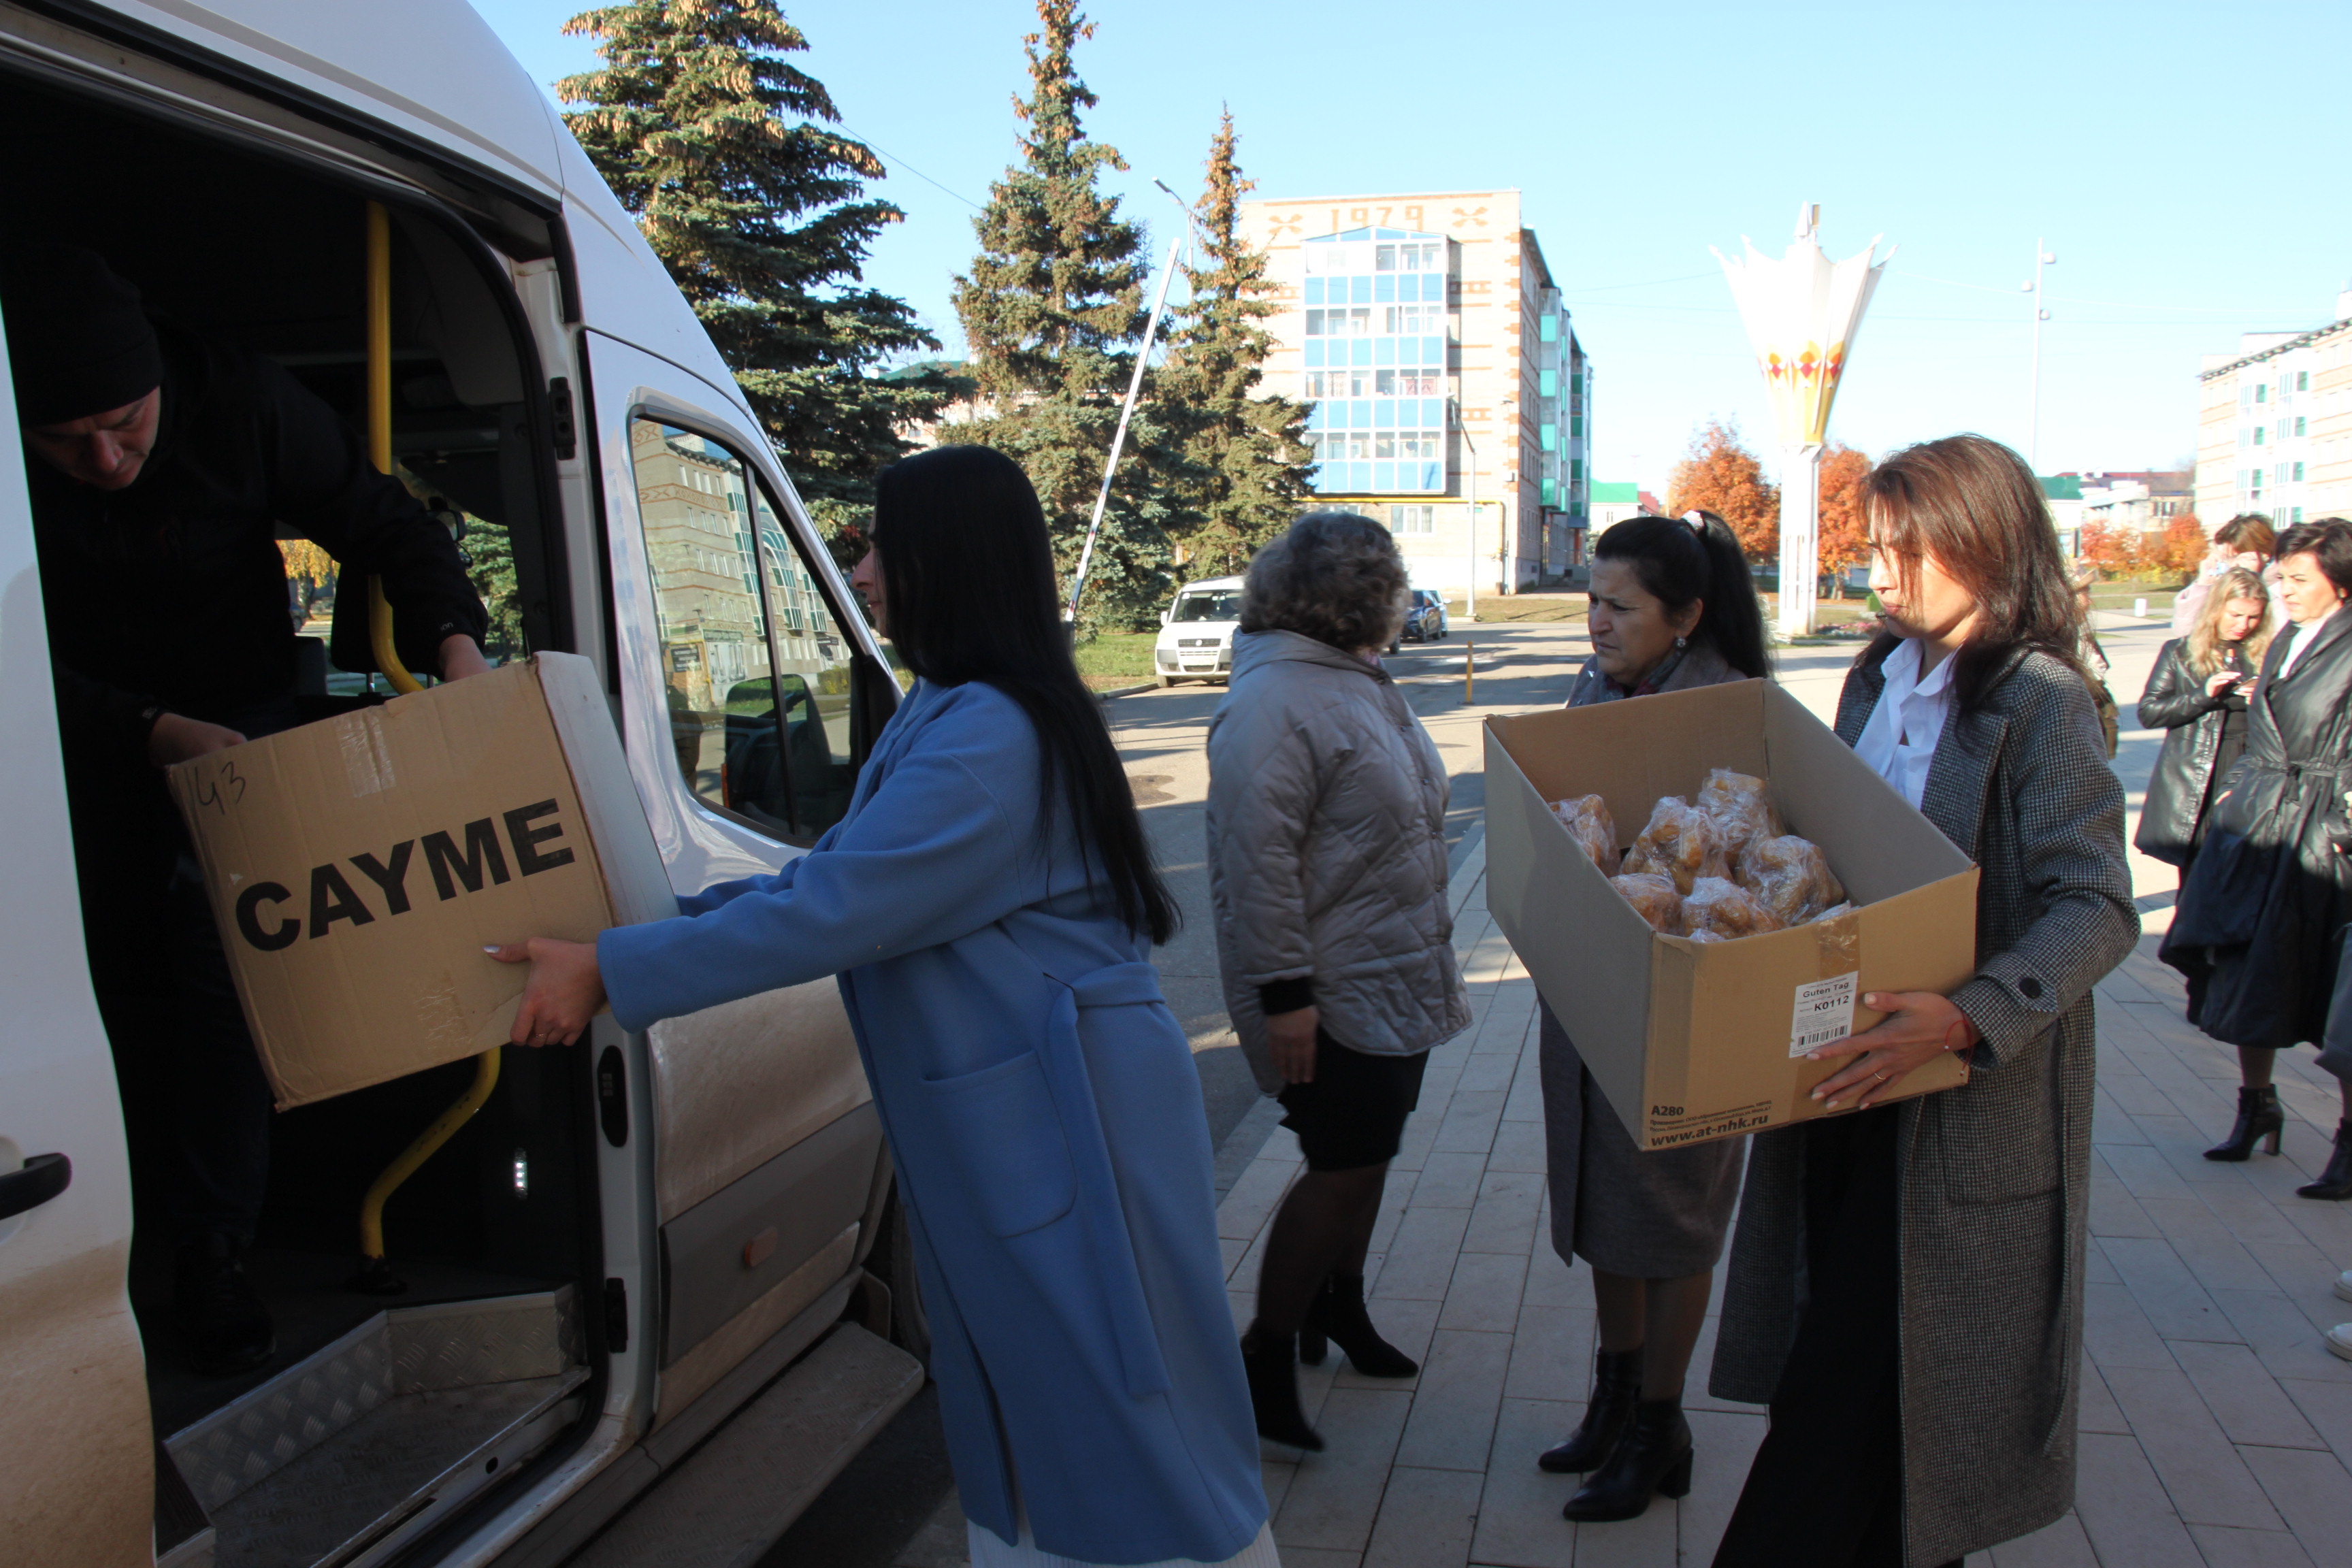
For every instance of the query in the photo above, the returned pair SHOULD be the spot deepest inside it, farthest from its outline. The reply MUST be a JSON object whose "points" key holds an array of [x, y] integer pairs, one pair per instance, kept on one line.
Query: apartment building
{"points": [[2274, 426]]}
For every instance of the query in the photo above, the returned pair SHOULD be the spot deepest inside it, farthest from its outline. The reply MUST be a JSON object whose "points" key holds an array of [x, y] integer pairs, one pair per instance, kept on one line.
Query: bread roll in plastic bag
{"points": [[1833, 913], [1679, 842], [1727, 909], [1588, 822], [1740, 807], [1790, 877], [1653, 897]]}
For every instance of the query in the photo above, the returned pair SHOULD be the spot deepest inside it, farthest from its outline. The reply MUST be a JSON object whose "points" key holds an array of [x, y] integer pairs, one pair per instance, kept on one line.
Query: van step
{"points": [[351, 1452], [732, 1498]]}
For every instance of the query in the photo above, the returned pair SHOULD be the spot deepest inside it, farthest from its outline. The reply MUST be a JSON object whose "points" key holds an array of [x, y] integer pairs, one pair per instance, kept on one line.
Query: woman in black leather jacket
{"points": [[2197, 695], [2259, 926]]}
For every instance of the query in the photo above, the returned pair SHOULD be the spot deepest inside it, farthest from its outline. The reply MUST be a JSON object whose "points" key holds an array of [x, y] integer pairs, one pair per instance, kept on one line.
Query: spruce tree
{"points": [[1247, 476], [718, 146], [1052, 309]]}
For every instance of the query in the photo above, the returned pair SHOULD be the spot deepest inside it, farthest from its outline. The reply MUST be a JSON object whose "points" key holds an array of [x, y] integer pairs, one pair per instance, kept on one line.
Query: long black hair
{"points": [[968, 578], [1677, 563]]}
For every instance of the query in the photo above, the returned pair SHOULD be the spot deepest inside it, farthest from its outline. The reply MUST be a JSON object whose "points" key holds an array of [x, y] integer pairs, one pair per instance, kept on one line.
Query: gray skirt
{"points": [[1658, 1215]]}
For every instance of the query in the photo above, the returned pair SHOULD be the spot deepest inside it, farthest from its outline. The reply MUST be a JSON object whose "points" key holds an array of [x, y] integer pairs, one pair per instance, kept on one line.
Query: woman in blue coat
{"points": [[988, 905]]}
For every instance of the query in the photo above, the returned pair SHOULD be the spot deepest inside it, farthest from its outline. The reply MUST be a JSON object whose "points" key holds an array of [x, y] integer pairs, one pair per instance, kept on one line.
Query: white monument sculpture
{"points": [[1801, 311]]}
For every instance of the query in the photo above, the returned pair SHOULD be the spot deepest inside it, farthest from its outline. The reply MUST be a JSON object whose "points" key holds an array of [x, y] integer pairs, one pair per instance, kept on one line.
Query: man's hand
{"points": [[1292, 1037], [178, 739], [566, 989], [461, 656]]}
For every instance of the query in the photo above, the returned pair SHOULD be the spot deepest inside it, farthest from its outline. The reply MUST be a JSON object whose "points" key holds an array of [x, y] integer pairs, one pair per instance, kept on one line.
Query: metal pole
{"points": [[1118, 437], [2042, 259], [1470, 496]]}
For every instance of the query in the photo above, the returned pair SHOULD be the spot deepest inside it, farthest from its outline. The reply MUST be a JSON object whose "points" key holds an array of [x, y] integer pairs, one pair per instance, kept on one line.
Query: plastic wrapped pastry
{"points": [[1833, 913], [1727, 909], [1740, 808], [1790, 877], [1679, 842], [1653, 897], [1588, 822]]}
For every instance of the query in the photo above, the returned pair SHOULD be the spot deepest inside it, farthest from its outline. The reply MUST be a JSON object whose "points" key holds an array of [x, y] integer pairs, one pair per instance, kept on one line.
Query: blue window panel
{"points": [[1551, 438], [1431, 477], [1360, 291], [1359, 475], [1433, 287], [1551, 492], [1551, 329], [1433, 413], [1314, 353], [1547, 382], [1315, 476], [1360, 413], [1383, 475], [1432, 352], [1362, 352], [1384, 350], [1314, 291], [1384, 288], [1315, 416], [1384, 415]]}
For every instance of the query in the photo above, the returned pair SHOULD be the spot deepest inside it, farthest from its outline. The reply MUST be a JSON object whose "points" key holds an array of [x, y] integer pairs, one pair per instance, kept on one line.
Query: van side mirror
{"points": [[1166, 615]]}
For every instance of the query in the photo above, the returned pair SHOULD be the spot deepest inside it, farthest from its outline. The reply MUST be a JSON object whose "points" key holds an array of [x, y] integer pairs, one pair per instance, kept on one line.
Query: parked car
{"points": [[1196, 632], [1424, 620], [637, 1239]]}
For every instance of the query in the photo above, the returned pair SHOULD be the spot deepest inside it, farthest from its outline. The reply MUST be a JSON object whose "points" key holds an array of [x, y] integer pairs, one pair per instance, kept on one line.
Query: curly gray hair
{"points": [[1336, 577]]}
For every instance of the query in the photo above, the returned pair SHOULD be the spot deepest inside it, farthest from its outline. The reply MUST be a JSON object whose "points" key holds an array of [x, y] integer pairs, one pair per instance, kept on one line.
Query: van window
{"points": [[756, 667], [1216, 604]]}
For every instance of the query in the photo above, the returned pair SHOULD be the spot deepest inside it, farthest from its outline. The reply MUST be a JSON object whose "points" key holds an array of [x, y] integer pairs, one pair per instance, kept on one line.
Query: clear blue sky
{"points": [[2186, 170]]}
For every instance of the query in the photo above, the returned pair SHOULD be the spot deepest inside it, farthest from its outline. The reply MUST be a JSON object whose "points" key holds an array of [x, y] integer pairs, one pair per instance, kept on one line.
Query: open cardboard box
{"points": [[1694, 1041], [358, 866]]}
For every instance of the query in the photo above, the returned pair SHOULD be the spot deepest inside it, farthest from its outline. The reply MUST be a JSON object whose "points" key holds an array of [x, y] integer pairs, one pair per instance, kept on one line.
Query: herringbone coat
{"points": [[1996, 1173]]}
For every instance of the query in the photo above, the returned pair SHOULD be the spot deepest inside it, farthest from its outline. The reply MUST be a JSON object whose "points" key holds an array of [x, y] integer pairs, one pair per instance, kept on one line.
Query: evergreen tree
{"points": [[1247, 460], [717, 145], [1052, 309]]}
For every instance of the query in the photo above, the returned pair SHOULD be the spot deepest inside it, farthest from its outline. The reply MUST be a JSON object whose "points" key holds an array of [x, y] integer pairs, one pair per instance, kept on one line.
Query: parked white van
{"points": [[1196, 632], [657, 1287]]}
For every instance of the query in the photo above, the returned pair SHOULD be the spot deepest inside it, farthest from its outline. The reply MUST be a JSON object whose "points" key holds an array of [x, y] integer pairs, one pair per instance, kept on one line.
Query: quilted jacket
{"points": [[1326, 851]]}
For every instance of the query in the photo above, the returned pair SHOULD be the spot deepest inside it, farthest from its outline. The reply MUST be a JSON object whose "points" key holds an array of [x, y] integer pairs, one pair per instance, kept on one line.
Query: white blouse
{"points": [[1899, 743]]}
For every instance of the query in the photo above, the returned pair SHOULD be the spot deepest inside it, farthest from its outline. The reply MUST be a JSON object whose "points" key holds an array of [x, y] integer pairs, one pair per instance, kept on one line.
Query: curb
{"points": [[1127, 690]]}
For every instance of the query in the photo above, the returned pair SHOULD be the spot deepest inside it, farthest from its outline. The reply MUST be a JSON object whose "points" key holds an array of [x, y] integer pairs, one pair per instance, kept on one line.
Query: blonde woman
{"points": [[2196, 696]]}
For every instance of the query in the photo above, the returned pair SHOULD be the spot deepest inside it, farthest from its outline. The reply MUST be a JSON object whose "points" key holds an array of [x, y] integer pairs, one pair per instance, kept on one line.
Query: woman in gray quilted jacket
{"points": [[1326, 870]]}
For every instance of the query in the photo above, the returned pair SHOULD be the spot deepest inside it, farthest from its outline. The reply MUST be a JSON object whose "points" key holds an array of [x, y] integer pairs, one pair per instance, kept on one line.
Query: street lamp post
{"points": [[1470, 498], [2042, 259]]}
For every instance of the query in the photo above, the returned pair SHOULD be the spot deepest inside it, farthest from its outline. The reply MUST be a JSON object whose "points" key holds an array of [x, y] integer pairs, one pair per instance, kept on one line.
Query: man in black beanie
{"points": [[163, 464]]}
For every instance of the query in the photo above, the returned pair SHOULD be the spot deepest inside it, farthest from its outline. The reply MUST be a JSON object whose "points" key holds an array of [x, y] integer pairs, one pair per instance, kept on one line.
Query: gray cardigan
{"points": [[1996, 1173], [1326, 851]]}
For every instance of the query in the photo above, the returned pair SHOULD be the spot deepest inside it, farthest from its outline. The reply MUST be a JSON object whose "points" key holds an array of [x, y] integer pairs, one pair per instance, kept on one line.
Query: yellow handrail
{"points": [[476, 1094]]}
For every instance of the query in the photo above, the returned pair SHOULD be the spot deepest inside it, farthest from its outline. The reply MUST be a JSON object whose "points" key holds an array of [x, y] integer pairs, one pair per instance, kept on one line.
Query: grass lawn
{"points": [[2118, 597], [1116, 659], [1498, 608]]}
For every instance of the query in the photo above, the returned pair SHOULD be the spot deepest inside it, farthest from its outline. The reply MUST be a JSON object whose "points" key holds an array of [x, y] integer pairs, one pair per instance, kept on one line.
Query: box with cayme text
{"points": [[358, 867], [1694, 1041]]}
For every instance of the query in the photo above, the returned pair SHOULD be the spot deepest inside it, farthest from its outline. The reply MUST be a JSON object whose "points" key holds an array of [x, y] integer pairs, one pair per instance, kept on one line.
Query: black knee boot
{"points": [[1652, 1459], [1272, 1364], [1338, 1315], [1616, 1385], [2335, 1183], [2259, 1117]]}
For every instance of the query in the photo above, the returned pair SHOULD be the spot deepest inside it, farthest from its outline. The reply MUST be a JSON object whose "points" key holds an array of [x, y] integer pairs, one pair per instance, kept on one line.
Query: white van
{"points": [[1196, 632], [657, 1288]]}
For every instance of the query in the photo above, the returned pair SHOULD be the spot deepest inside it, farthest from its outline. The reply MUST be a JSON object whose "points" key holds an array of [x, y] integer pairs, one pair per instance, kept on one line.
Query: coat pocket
{"points": [[1003, 1138]]}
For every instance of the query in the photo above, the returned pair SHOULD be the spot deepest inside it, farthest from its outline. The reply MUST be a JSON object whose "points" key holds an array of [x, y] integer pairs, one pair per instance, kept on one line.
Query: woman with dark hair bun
{"points": [[1673, 606], [2259, 930], [989, 905]]}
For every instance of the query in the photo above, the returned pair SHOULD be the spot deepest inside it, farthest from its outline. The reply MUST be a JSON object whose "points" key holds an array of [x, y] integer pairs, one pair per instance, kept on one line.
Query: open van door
{"points": [[77, 1458]]}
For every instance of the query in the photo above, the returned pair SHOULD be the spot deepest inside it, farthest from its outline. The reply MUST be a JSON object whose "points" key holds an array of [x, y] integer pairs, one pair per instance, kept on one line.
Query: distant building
{"points": [[1613, 504], [1407, 322], [2274, 428], [2065, 494], [2146, 500]]}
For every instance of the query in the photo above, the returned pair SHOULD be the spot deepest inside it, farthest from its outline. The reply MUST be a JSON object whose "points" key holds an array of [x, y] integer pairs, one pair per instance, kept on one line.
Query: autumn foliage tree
{"points": [[2181, 550], [1722, 476], [1844, 530], [2115, 550]]}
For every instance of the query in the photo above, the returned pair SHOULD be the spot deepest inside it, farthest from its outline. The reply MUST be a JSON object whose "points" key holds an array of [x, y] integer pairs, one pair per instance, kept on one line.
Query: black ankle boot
{"points": [[2335, 1183], [217, 1309], [1272, 1363], [1338, 1314], [1616, 1386], [1652, 1459], [2259, 1117]]}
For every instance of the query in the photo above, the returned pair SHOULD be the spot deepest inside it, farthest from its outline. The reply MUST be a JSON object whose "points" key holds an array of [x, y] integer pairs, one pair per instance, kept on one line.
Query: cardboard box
{"points": [[1692, 1041], [359, 866]]}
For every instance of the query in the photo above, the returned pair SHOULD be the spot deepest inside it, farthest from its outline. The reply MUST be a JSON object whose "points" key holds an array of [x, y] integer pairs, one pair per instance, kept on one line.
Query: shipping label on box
{"points": [[358, 867], [1694, 1041]]}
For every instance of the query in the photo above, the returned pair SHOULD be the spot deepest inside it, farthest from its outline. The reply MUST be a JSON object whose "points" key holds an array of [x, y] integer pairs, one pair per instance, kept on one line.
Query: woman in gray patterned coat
{"points": [[1906, 1281], [1673, 606]]}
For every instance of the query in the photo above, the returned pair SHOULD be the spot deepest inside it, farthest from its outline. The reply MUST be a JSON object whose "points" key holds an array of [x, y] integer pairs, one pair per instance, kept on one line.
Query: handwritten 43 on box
{"points": [[1695, 1041], [358, 867]]}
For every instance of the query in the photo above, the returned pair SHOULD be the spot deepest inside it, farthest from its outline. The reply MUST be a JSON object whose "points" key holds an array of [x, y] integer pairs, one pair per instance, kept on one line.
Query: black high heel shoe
{"points": [[1608, 1410], [1652, 1459], [2335, 1183], [2259, 1118], [1272, 1365], [1337, 1317]]}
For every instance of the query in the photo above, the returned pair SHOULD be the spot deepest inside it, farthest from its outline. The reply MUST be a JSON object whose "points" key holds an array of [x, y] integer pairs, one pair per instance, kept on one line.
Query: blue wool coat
{"points": [[1043, 1113]]}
